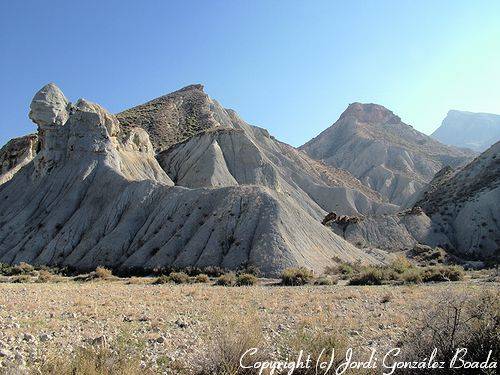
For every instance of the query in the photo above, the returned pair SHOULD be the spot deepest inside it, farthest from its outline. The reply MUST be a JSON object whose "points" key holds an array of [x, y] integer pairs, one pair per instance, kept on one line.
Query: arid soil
{"points": [[165, 324]]}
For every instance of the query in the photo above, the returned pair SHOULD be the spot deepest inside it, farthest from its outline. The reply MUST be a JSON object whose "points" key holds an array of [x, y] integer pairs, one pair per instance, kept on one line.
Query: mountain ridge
{"points": [[386, 154]]}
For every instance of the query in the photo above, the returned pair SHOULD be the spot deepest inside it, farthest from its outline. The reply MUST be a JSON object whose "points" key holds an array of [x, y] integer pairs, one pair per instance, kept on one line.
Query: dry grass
{"points": [[92, 361], [195, 318], [457, 321]]}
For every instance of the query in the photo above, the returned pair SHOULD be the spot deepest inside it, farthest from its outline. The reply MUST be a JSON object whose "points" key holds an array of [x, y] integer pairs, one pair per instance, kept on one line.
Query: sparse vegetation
{"points": [[230, 341], [318, 343], [163, 279], [453, 322], [94, 361], [296, 276], [246, 279], [399, 271], [202, 278], [326, 280], [179, 278], [101, 273], [228, 279]]}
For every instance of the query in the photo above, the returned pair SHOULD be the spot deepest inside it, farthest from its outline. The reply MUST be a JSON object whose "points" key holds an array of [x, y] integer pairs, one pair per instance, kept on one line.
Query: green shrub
{"points": [[246, 279], [296, 276], [343, 269], [400, 264], [228, 279], [252, 270], [214, 271], [201, 278], [412, 276], [443, 273], [20, 269], [370, 276], [179, 278]]}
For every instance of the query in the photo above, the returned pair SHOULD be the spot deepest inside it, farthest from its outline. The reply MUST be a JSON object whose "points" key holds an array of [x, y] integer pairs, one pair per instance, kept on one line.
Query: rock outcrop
{"points": [[476, 131], [465, 204], [96, 195], [15, 154], [386, 154], [394, 232]]}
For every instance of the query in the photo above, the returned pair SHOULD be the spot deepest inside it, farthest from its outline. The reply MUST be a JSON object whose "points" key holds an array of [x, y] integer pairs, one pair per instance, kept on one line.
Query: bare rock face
{"points": [[96, 195], [15, 154], [387, 155], [49, 107], [175, 117], [465, 205]]}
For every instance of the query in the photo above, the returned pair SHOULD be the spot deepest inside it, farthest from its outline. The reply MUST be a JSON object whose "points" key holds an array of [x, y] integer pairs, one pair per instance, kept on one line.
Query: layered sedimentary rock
{"points": [[477, 131], [386, 154], [95, 195]]}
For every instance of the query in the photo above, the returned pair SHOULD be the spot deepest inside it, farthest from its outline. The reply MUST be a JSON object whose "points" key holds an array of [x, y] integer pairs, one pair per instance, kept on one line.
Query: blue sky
{"points": [[289, 66]]}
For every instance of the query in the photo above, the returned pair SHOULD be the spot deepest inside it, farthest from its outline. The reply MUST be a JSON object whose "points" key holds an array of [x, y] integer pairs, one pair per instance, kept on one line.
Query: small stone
{"points": [[181, 324], [160, 340], [4, 353], [44, 337], [28, 337]]}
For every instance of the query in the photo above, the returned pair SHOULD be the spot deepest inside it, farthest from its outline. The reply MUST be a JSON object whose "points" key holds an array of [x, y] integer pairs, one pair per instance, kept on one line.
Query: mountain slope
{"points": [[459, 210], [465, 203], [174, 117], [476, 131], [226, 151], [387, 155], [96, 195]]}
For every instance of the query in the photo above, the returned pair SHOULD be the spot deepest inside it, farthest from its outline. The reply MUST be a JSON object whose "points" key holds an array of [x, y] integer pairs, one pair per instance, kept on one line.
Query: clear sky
{"points": [[289, 66]]}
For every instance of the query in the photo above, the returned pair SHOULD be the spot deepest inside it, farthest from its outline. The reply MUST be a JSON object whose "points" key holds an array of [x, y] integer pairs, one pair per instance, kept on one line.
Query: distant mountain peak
{"points": [[476, 131], [370, 113]]}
